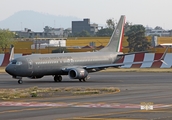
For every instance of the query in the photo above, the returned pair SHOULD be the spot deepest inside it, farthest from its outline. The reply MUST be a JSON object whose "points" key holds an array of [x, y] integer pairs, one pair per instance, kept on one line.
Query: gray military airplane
{"points": [[75, 65]]}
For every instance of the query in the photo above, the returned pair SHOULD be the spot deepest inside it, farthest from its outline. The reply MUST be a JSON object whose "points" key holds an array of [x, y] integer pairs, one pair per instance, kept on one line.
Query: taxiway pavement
{"points": [[135, 88]]}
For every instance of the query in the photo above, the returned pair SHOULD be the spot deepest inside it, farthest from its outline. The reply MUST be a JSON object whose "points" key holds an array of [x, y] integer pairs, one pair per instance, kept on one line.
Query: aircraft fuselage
{"points": [[53, 64]]}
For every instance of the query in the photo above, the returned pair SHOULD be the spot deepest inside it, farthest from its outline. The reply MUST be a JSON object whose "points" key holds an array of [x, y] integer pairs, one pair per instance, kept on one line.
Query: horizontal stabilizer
{"points": [[133, 53]]}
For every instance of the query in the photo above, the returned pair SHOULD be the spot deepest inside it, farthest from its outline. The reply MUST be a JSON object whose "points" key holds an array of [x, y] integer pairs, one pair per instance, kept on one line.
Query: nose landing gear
{"points": [[18, 77], [20, 81]]}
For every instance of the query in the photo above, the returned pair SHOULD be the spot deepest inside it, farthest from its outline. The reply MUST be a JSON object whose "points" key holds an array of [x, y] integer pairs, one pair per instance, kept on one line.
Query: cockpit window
{"points": [[18, 63], [13, 62]]}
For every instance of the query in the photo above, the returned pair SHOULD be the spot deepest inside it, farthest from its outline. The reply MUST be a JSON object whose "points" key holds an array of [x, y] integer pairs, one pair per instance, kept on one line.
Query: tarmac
{"points": [[143, 95]]}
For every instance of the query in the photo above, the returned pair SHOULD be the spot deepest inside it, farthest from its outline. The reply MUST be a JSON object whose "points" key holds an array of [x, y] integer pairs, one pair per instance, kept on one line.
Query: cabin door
{"points": [[30, 65]]}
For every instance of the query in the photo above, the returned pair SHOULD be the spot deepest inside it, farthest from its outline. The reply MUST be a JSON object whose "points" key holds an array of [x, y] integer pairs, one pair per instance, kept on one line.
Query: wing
{"points": [[93, 68]]}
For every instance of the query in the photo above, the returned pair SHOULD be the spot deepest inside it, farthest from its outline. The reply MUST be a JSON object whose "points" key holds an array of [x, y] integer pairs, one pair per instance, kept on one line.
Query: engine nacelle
{"points": [[77, 73], [35, 77]]}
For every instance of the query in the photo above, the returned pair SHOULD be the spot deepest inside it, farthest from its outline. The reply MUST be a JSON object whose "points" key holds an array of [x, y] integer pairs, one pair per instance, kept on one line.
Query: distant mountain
{"points": [[36, 21]]}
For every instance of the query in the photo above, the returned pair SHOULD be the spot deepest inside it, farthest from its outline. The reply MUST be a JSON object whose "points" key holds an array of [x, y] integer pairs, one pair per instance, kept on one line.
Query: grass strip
{"points": [[8, 94]]}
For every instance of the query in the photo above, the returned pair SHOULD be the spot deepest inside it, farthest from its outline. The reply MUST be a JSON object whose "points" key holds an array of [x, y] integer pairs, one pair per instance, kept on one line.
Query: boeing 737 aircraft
{"points": [[75, 65]]}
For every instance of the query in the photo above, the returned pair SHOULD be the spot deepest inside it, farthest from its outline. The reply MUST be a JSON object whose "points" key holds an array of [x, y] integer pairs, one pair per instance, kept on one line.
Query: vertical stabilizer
{"points": [[115, 43], [11, 53]]}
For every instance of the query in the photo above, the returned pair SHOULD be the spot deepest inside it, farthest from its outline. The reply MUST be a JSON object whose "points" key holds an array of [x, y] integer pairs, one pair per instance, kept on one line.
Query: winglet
{"points": [[11, 53], [164, 62], [163, 56]]}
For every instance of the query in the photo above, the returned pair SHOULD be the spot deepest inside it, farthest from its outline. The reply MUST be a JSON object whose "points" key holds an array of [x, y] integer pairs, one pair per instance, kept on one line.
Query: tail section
{"points": [[115, 43], [11, 53]]}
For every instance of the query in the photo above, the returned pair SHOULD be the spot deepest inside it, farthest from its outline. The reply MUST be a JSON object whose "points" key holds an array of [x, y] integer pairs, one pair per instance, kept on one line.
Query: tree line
{"points": [[6, 38]]}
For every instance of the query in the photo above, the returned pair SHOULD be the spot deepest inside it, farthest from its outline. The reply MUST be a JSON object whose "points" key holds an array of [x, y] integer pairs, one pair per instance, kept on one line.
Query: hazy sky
{"points": [[146, 12]]}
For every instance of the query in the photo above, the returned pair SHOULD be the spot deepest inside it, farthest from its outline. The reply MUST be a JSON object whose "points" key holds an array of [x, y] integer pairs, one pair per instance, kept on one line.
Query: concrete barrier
{"points": [[147, 57]]}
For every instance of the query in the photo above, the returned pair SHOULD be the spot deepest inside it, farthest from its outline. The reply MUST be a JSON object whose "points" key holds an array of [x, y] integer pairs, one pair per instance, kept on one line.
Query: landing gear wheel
{"points": [[60, 78], [20, 81], [83, 80], [57, 78]]}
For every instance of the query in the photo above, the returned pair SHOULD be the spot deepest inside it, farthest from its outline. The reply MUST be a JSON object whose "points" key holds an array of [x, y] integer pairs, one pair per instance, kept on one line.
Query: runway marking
{"points": [[33, 104], [118, 105], [97, 116], [77, 104]]}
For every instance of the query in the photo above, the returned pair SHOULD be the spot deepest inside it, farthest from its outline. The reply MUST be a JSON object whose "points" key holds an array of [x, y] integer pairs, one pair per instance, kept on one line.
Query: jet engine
{"points": [[77, 73]]}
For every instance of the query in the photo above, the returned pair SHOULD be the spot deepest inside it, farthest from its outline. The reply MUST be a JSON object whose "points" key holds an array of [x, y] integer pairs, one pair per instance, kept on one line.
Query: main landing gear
{"points": [[20, 81], [57, 78], [84, 79]]}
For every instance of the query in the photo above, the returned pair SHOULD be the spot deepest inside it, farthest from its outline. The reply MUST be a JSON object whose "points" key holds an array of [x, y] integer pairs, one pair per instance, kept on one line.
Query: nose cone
{"points": [[9, 70]]}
